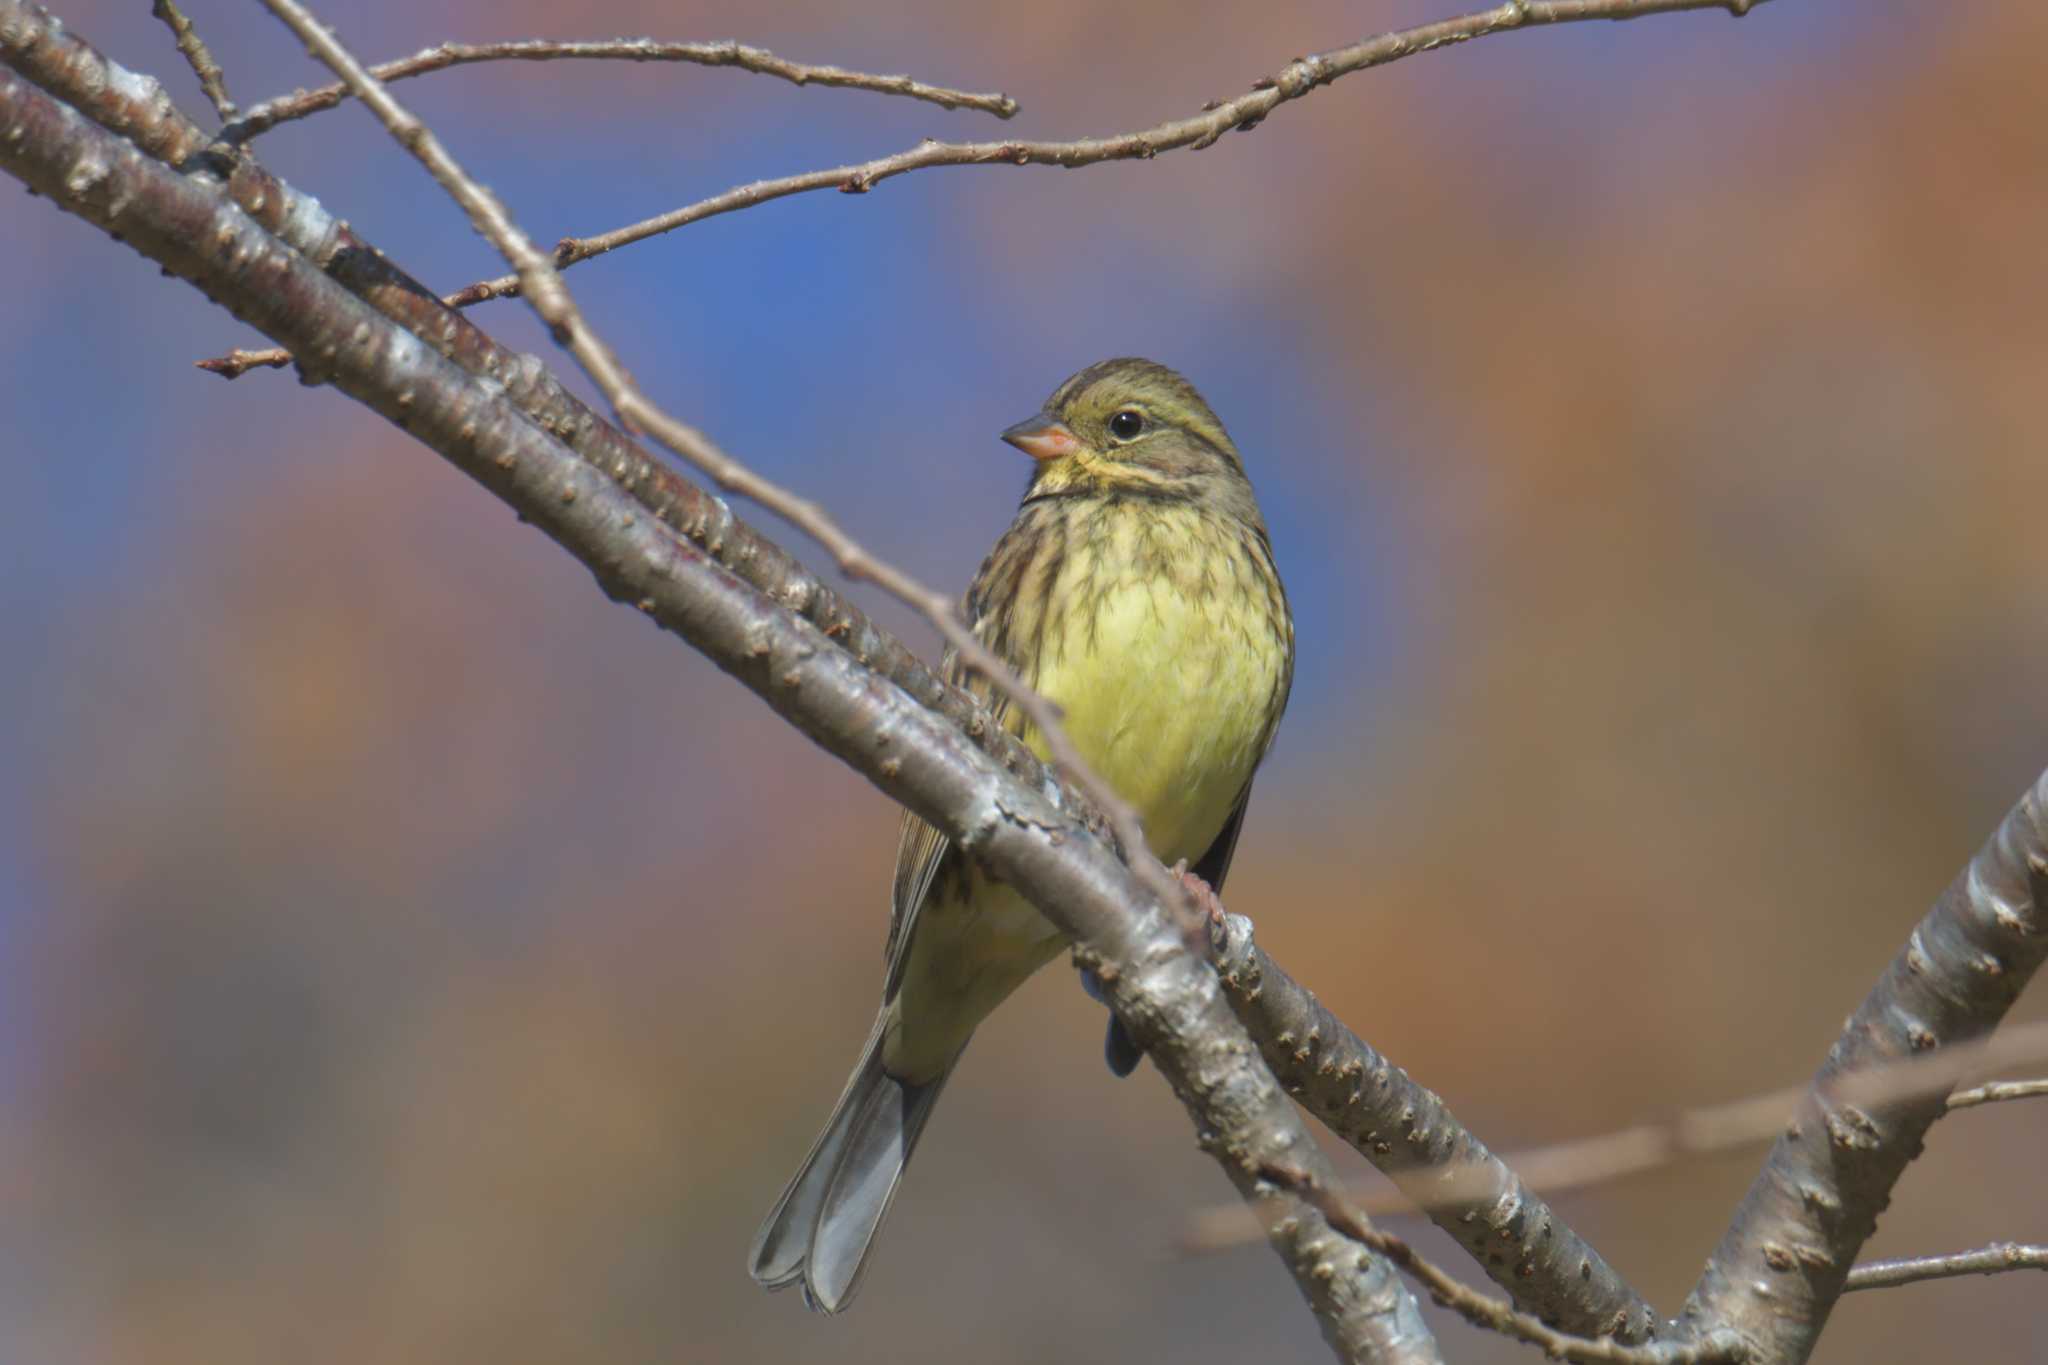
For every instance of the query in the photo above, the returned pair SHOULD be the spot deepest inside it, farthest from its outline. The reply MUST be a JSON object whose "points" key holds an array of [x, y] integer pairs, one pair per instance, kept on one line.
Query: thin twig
{"points": [[550, 298], [301, 103], [1482, 1311], [1998, 1092], [1995, 1259], [239, 361], [1698, 1132], [1295, 80], [1291, 82], [212, 82]]}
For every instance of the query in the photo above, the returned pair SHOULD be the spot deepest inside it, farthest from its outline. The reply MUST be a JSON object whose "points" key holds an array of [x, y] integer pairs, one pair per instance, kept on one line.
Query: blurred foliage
{"points": [[418, 959]]}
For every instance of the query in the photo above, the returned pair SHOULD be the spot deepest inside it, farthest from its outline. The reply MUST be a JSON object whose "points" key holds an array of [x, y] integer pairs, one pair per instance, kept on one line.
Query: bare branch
{"points": [[1495, 1315], [1298, 78], [1995, 1259], [1470, 1176], [131, 103], [299, 104], [1786, 1256], [1167, 996], [543, 286], [1998, 1092], [1295, 80], [1407, 1132], [212, 83]]}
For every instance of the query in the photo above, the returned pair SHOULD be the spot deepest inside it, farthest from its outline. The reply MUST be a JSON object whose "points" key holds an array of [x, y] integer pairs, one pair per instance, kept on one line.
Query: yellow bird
{"points": [[1136, 588]]}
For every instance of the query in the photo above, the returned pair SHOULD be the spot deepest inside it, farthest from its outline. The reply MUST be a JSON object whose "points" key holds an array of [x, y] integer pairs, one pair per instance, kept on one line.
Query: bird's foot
{"points": [[1206, 904]]}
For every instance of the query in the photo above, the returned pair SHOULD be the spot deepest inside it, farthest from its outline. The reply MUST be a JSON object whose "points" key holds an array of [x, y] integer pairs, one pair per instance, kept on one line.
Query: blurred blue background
{"points": [[1647, 417]]}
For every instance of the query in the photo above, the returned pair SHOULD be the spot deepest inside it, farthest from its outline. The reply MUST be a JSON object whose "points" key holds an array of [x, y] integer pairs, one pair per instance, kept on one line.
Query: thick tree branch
{"points": [[1995, 1259], [1407, 1132], [300, 104], [1168, 997], [38, 45], [1786, 1257]]}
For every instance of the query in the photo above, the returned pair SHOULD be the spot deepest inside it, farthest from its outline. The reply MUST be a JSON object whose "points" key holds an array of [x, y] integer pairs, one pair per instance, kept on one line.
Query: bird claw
{"points": [[1092, 984], [1119, 1049], [1205, 901]]}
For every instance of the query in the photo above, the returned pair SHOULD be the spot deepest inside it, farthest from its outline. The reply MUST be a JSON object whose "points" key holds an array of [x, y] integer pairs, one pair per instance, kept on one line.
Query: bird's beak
{"points": [[1043, 437]]}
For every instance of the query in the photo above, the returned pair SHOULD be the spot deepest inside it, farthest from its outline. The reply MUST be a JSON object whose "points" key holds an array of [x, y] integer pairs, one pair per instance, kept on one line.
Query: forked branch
{"points": [[1786, 1257]]}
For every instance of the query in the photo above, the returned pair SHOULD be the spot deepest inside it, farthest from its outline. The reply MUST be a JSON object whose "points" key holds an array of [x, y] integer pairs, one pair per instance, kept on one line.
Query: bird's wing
{"points": [[922, 853], [919, 852], [1214, 864]]}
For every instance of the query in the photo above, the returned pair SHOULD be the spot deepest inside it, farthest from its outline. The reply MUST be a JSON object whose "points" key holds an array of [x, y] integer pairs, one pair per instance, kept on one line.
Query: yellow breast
{"points": [[1170, 664]]}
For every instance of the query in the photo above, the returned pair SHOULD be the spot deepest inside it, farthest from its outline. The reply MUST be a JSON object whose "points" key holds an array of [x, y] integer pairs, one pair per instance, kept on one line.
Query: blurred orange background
{"points": [[1648, 418]]}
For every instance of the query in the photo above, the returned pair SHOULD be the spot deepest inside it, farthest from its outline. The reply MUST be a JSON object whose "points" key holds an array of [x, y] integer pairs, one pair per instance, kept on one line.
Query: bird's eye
{"points": [[1126, 425]]}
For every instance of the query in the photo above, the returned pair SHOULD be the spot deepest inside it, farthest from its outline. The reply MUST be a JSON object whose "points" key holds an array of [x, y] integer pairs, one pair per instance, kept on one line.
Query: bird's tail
{"points": [[822, 1228]]}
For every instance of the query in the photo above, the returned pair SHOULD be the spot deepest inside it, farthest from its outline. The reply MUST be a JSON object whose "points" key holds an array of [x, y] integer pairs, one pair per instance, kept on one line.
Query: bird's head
{"points": [[1131, 427]]}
